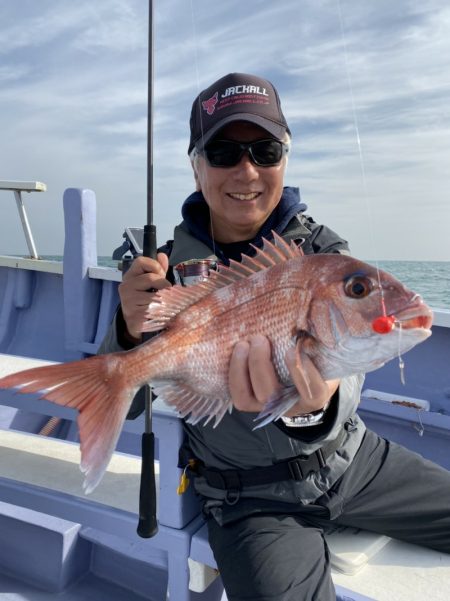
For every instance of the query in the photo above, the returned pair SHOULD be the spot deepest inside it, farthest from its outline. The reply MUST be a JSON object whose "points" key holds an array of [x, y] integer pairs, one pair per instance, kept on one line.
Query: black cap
{"points": [[236, 97]]}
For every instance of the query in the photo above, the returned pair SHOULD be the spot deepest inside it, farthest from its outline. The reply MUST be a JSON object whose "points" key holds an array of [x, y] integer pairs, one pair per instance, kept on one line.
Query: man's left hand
{"points": [[253, 380]]}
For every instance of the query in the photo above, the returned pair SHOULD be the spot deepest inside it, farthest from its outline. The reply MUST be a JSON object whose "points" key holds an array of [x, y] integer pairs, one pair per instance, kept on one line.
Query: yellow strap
{"points": [[184, 483]]}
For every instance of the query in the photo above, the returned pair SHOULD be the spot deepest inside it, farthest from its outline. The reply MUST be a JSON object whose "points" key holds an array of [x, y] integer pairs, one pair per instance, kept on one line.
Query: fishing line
{"points": [[385, 323], [401, 363], [194, 35], [420, 428], [360, 151]]}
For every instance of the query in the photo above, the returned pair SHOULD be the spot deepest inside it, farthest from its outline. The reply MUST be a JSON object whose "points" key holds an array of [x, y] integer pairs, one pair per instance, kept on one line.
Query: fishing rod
{"points": [[148, 524]]}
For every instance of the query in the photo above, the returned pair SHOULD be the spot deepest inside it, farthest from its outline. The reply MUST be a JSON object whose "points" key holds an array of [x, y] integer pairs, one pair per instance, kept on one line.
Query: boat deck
{"points": [[89, 588]]}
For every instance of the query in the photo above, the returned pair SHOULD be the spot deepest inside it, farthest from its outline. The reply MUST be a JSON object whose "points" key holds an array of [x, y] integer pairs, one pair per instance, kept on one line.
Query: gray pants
{"points": [[281, 554]]}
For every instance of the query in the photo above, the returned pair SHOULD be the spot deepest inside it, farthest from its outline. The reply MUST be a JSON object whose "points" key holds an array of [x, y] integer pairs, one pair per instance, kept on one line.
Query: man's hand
{"points": [[135, 297], [252, 378]]}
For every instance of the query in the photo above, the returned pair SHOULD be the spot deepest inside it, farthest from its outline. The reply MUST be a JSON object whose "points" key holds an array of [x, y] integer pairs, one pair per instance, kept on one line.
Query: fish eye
{"points": [[358, 286]]}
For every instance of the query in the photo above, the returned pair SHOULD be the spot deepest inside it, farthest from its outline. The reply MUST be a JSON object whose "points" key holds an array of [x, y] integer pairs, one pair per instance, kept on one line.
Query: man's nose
{"points": [[246, 167]]}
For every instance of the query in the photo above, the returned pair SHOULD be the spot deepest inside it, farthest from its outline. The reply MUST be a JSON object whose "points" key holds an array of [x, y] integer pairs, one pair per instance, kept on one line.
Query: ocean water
{"points": [[430, 279]]}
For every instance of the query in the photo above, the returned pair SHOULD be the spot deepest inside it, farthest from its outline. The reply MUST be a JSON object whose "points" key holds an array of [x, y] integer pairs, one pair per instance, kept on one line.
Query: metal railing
{"points": [[19, 187]]}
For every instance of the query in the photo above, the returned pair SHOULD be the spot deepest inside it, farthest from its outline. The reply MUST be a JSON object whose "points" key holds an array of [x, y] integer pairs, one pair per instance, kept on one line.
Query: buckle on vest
{"points": [[225, 480], [295, 468], [302, 465]]}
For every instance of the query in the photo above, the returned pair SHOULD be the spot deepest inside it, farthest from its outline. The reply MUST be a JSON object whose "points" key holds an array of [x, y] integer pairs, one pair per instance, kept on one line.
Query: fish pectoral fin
{"points": [[169, 302], [192, 405], [277, 406], [98, 388], [327, 323], [298, 373]]}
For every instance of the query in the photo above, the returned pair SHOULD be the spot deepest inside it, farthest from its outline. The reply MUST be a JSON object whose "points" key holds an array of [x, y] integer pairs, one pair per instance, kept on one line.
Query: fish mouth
{"points": [[416, 315]]}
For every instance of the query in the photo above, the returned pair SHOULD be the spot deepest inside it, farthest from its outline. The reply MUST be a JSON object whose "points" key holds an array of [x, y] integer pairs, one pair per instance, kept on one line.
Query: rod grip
{"points": [[149, 244], [148, 524]]}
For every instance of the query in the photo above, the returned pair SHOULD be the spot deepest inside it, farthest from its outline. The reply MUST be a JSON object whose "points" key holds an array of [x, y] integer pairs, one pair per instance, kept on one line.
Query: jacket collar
{"points": [[195, 223]]}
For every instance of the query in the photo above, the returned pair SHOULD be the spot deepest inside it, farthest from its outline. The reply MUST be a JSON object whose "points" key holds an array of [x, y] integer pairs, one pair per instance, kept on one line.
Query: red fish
{"points": [[324, 304]]}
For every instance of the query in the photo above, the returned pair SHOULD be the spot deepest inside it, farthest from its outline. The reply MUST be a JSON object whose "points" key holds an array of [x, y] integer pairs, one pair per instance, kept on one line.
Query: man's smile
{"points": [[242, 196]]}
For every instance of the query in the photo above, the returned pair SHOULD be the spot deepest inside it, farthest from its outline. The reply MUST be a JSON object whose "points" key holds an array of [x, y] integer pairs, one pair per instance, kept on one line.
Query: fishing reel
{"points": [[193, 271], [130, 249], [185, 273]]}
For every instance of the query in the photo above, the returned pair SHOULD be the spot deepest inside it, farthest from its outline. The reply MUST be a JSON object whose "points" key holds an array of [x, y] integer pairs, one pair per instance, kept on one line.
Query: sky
{"points": [[364, 84]]}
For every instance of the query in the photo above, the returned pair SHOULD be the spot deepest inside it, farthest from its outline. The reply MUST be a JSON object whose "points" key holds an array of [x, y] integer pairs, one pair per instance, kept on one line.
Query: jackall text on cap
{"points": [[236, 97]]}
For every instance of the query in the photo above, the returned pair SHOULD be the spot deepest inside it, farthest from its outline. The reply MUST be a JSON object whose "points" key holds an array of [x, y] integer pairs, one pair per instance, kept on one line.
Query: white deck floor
{"points": [[402, 572]]}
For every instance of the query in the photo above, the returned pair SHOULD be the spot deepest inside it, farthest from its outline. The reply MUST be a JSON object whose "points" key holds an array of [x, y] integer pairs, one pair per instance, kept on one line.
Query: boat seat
{"points": [[412, 572], [54, 464]]}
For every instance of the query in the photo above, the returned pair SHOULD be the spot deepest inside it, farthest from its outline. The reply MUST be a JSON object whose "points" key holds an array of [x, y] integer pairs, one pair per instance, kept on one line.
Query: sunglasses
{"points": [[228, 153]]}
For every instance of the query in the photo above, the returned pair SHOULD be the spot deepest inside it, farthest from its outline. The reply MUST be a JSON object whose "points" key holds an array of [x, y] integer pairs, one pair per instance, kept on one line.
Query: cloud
{"points": [[73, 109]]}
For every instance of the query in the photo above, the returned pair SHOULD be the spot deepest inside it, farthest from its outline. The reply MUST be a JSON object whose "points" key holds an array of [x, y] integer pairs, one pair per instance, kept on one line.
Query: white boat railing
{"points": [[18, 188]]}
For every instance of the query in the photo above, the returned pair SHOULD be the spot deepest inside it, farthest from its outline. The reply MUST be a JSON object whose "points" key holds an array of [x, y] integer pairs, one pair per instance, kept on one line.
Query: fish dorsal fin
{"points": [[273, 253], [169, 302]]}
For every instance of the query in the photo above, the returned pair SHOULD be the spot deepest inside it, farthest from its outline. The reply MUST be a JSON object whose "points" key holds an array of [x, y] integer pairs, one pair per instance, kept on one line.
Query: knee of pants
{"points": [[272, 557]]}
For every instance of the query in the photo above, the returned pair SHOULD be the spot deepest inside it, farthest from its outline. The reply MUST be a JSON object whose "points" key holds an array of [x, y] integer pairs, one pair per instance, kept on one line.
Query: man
{"points": [[269, 494]]}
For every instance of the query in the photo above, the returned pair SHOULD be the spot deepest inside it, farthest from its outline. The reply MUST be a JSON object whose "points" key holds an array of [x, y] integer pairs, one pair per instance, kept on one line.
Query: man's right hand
{"points": [[143, 275]]}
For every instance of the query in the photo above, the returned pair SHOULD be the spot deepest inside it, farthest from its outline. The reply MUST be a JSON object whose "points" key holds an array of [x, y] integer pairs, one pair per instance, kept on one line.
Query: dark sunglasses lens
{"points": [[226, 153], [267, 152], [223, 154]]}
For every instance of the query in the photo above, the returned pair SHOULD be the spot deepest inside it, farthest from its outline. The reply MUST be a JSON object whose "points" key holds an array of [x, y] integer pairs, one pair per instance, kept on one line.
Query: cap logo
{"points": [[233, 90], [210, 104]]}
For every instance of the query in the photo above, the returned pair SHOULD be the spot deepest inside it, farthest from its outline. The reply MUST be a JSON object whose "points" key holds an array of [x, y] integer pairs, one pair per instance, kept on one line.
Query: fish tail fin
{"points": [[100, 388]]}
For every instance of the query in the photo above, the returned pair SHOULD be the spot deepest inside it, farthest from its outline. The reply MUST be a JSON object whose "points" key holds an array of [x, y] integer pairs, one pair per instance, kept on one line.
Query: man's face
{"points": [[240, 198]]}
